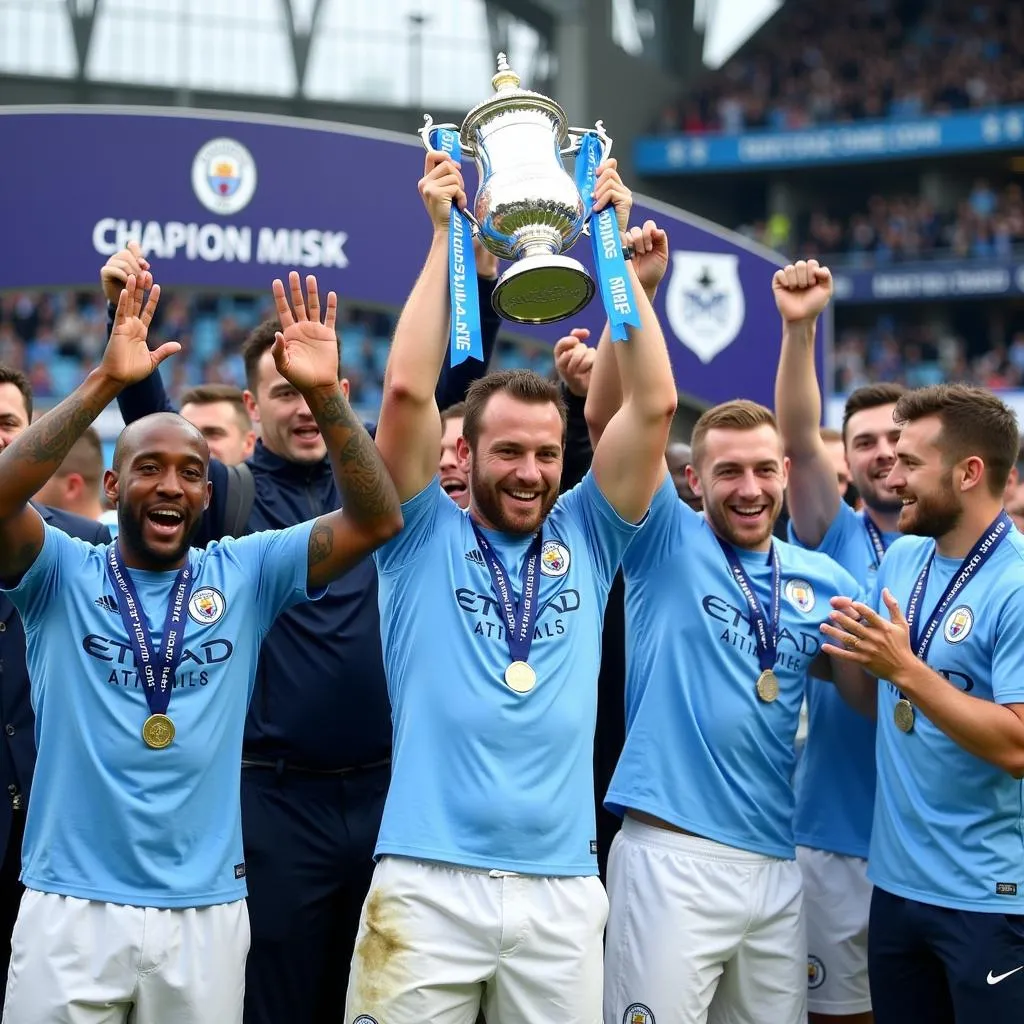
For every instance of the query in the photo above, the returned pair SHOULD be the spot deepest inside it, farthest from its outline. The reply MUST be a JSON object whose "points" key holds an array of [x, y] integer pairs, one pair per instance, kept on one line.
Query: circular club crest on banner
{"points": [[224, 176]]}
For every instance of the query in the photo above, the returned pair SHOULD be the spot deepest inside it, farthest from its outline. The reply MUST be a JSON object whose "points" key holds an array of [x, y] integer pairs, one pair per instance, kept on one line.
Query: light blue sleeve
{"points": [[608, 534], [650, 546], [36, 594], [838, 533], [1008, 653], [276, 563], [420, 513]]}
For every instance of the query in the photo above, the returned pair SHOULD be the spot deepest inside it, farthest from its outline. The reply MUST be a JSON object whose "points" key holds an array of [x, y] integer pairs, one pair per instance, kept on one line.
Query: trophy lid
{"points": [[508, 96]]}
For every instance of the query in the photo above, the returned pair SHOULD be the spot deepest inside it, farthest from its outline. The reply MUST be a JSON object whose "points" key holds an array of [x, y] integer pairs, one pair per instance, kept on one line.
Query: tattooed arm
{"points": [[370, 512], [33, 457], [306, 354]]}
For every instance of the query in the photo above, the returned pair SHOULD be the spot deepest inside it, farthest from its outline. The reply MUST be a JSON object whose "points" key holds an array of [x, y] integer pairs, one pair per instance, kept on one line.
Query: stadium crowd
{"points": [[56, 337], [985, 223], [825, 63]]}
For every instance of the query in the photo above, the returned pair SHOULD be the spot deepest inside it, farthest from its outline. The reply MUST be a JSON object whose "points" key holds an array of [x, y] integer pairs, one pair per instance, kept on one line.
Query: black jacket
{"points": [[320, 699], [17, 740]]}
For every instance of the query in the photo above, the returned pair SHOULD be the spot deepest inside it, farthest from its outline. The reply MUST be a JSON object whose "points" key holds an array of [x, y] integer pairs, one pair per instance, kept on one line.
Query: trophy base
{"points": [[542, 289]]}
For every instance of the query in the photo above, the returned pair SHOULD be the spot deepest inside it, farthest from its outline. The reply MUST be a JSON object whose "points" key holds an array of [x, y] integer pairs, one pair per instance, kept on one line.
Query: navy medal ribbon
{"points": [[921, 640], [766, 627], [876, 538], [157, 682], [520, 617]]}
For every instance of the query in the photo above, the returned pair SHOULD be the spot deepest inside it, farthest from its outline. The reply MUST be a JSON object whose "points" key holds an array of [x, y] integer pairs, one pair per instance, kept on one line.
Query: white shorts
{"points": [[837, 897], [82, 962], [436, 942], [701, 932]]}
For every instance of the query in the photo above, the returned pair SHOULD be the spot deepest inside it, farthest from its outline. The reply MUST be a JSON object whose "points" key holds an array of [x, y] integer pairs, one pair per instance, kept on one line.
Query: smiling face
{"points": [[741, 478], [922, 480], [454, 478], [160, 488], [871, 437], [515, 468]]}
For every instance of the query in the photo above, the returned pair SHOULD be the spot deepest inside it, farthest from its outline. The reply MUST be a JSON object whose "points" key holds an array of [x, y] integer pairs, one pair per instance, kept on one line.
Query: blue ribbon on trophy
{"points": [[609, 261], [466, 341]]}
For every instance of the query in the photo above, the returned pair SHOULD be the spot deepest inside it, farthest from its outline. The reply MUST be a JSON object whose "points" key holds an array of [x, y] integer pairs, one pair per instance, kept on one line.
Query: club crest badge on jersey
{"points": [[206, 606], [224, 176], [815, 972], [704, 303], [637, 1013], [554, 558], [958, 624], [800, 595]]}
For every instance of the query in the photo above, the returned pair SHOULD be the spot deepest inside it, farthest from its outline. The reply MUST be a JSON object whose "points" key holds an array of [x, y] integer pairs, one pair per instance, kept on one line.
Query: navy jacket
{"points": [[321, 694], [18, 746]]}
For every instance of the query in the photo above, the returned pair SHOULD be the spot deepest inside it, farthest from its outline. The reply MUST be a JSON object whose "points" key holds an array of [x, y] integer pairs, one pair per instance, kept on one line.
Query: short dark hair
{"points": [[9, 375], [453, 412], [523, 385], [740, 414], [209, 394], [260, 339], [870, 396], [85, 458], [974, 422]]}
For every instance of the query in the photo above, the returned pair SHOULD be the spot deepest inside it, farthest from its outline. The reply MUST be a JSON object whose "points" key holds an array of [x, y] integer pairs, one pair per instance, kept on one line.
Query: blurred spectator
{"points": [[988, 223], [837, 62]]}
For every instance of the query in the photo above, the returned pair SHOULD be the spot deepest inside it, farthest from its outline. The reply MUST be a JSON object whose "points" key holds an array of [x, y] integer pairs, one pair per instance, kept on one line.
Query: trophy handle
{"points": [[429, 126], [576, 136]]}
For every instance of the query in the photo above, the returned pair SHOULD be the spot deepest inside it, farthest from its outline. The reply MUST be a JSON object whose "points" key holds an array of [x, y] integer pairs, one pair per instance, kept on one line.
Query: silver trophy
{"points": [[527, 208]]}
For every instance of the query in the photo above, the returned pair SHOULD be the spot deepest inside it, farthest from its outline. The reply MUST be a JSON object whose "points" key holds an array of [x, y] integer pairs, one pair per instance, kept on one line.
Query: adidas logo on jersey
{"points": [[107, 602], [475, 556]]}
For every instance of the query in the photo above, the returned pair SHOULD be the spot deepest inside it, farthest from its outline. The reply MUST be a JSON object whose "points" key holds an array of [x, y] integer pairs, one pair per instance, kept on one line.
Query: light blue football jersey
{"points": [[835, 779], [703, 751], [483, 776], [949, 827], [110, 819]]}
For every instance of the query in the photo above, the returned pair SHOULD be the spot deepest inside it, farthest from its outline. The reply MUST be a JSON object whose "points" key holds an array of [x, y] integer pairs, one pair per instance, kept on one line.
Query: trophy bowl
{"points": [[527, 208]]}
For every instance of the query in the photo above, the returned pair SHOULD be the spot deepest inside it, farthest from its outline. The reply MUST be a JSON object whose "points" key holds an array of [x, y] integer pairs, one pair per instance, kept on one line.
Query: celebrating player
{"points": [[141, 657], [486, 884]]}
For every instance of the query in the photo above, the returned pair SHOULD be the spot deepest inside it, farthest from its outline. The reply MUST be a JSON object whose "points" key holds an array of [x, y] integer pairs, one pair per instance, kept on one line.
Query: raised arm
{"points": [[147, 395], [574, 364], [409, 427], [33, 457], [802, 291], [306, 354], [632, 395]]}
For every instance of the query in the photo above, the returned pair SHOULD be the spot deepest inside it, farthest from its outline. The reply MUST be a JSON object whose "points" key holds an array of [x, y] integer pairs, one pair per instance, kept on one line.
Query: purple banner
{"points": [[230, 201]]}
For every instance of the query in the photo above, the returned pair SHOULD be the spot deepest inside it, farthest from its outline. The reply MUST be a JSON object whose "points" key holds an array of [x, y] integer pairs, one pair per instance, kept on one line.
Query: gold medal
{"points": [[768, 686], [903, 715], [158, 731], [519, 676]]}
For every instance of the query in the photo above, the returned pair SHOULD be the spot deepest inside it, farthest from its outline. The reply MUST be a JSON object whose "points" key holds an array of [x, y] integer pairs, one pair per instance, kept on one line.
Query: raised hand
{"points": [[650, 245], [859, 634], [440, 186], [127, 358], [114, 273], [802, 290], [610, 189], [574, 360], [306, 350]]}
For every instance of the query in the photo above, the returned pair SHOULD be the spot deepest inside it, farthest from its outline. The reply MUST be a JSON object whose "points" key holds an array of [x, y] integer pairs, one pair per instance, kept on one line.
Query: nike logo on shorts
{"points": [[994, 979]]}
